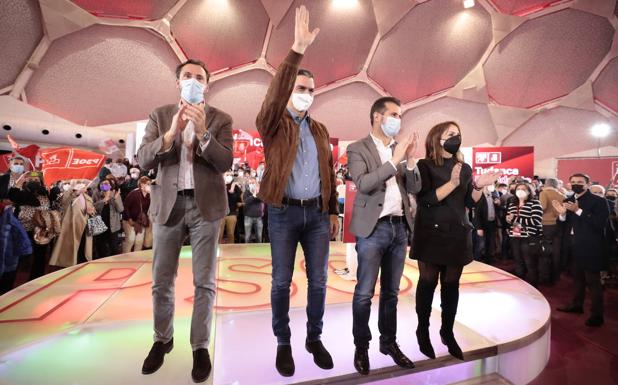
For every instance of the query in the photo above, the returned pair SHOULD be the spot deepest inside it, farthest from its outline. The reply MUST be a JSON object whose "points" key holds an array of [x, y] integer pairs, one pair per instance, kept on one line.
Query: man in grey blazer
{"points": [[191, 144], [384, 172]]}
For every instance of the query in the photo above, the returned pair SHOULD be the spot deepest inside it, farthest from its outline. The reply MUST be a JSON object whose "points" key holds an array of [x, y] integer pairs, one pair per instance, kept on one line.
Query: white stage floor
{"points": [[92, 324]]}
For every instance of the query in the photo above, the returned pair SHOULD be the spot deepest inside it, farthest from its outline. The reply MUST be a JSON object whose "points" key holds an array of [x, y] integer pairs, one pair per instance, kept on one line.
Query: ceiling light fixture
{"points": [[600, 130], [468, 3]]}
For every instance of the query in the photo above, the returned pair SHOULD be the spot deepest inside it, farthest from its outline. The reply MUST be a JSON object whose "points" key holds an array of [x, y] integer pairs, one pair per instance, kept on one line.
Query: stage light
{"points": [[468, 3], [600, 130], [345, 4]]}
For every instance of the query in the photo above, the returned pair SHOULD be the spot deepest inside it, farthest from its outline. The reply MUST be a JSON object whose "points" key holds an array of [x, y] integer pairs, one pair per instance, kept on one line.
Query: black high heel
{"points": [[424, 343], [454, 350]]}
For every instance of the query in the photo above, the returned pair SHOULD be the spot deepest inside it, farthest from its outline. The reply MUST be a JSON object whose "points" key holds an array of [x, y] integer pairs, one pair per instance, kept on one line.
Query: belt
{"points": [[302, 202], [187, 193], [392, 219]]}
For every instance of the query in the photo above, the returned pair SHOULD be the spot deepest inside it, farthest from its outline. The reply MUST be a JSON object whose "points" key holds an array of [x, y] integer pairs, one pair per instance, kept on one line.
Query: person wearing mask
{"points": [[74, 244], [131, 183], [254, 211], [299, 188], [106, 169], [108, 204], [189, 144], [585, 216], [442, 241], [384, 173], [551, 265], [17, 167], [485, 223], [260, 171], [30, 198], [136, 221], [234, 200], [525, 217]]}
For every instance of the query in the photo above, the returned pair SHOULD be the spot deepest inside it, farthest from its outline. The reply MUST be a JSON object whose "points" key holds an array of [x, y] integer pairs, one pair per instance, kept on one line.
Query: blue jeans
{"points": [[385, 250], [287, 226]]}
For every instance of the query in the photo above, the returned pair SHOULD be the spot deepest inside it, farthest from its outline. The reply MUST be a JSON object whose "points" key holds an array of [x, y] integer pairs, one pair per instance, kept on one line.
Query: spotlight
{"points": [[468, 3], [600, 130]]}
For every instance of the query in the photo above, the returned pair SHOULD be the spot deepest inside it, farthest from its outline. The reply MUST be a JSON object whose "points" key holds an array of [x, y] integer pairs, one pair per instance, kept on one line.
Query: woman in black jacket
{"points": [[442, 240]]}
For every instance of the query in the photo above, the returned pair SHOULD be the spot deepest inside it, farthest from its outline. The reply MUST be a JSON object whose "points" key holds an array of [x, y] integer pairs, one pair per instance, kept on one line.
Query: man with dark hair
{"points": [[196, 63], [585, 216], [384, 172], [17, 167], [106, 169], [299, 187], [190, 143]]}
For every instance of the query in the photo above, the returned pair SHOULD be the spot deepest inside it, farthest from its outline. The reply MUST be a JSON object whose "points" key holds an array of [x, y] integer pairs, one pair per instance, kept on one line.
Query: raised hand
{"points": [[559, 207], [302, 36], [412, 147], [488, 178], [401, 149]]}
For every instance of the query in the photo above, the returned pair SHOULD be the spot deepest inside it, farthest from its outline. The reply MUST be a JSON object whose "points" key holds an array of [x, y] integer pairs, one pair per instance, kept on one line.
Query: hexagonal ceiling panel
{"points": [[605, 87], [567, 129], [240, 96], [134, 9], [547, 57], [102, 75], [345, 110], [21, 31], [431, 49], [522, 7], [347, 31], [474, 119], [222, 34]]}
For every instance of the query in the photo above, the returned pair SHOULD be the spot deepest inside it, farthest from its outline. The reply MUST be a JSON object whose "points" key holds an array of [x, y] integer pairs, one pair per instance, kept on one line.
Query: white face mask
{"points": [[66, 187], [228, 179], [491, 188], [241, 174], [302, 102], [80, 187], [17, 168], [390, 126], [521, 194], [192, 91]]}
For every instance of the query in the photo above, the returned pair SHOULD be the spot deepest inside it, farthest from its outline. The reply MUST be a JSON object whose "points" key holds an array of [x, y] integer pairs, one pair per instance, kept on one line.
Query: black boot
{"points": [[449, 293], [424, 298]]}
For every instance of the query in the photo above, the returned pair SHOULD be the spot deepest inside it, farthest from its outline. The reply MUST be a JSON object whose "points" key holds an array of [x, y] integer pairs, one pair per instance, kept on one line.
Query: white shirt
{"points": [[392, 198]]}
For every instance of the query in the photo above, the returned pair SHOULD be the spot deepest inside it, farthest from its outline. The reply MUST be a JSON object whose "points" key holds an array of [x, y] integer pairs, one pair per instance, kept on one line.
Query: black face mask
{"points": [[512, 191], [33, 186], [577, 188], [611, 198], [452, 144]]}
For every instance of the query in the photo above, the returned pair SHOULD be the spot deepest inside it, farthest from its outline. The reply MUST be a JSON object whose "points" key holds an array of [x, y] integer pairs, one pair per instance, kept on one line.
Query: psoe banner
{"points": [[66, 163], [512, 161]]}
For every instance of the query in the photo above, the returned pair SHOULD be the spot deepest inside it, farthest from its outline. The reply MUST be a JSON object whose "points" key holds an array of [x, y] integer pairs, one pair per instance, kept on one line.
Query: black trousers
{"points": [[592, 280], [551, 264]]}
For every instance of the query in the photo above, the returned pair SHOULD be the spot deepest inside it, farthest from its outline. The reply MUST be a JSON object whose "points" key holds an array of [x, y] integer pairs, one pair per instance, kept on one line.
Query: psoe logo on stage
{"points": [[82, 162], [52, 160], [492, 157]]}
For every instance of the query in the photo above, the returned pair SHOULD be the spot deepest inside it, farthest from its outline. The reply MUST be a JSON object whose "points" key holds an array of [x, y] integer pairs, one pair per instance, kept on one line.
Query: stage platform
{"points": [[91, 324]]}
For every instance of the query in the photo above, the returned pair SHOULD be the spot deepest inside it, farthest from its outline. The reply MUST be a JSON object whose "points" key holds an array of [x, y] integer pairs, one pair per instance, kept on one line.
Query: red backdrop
{"points": [[602, 170]]}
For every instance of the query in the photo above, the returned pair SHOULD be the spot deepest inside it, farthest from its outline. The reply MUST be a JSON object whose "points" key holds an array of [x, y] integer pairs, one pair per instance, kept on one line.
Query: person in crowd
{"points": [[130, 184], [190, 145], [108, 204], [551, 265], [485, 223], [381, 221], [106, 169], [14, 244], [17, 167], [442, 241], [253, 211], [585, 216], [136, 221], [234, 200], [525, 219], [31, 201], [260, 171], [74, 244], [299, 188]]}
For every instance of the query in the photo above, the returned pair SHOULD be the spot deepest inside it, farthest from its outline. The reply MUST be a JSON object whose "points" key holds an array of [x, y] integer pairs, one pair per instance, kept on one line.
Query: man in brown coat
{"points": [[191, 144], [299, 187]]}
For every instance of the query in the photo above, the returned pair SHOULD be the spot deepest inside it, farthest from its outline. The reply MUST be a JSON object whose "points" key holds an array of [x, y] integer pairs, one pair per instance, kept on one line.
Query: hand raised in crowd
{"points": [[20, 181], [401, 149], [571, 206], [196, 114], [303, 38], [178, 125], [456, 175], [559, 207], [412, 149]]}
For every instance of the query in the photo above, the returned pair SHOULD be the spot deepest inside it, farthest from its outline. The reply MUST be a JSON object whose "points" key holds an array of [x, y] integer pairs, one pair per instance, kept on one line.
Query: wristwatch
{"points": [[206, 136]]}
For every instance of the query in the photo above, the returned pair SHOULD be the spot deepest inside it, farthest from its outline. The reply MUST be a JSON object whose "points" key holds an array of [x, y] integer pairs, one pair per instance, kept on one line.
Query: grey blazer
{"points": [[370, 176], [208, 165]]}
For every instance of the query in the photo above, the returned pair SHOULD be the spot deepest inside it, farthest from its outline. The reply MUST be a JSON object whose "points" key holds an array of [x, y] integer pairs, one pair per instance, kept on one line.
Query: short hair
{"points": [[551, 182], [144, 180], [500, 185], [599, 186], [580, 175], [305, 72], [18, 157], [192, 61], [380, 104], [108, 161]]}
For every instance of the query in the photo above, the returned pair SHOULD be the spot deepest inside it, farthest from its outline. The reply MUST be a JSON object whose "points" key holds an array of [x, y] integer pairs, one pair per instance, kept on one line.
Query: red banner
{"points": [[70, 163], [601, 170], [350, 195], [512, 161]]}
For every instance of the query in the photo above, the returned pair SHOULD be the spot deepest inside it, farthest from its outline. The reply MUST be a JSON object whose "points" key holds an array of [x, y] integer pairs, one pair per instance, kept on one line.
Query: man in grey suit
{"points": [[384, 172], [191, 144]]}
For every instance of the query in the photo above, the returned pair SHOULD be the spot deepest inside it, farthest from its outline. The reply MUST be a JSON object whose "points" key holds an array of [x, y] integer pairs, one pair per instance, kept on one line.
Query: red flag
{"points": [[66, 163]]}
